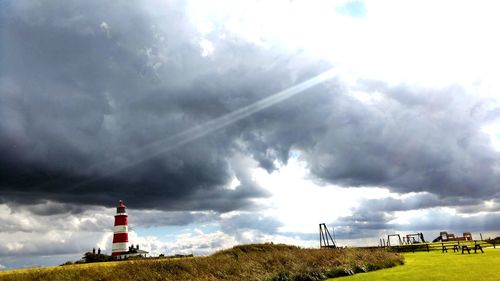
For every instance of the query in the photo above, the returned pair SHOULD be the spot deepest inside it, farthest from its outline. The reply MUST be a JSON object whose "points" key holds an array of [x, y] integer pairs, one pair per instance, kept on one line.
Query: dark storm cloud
{"points": [[91, 93], [439, 220], [87, 88], [487, 206], [416, 201], [159, 218], [413, 139], [48, 208]]}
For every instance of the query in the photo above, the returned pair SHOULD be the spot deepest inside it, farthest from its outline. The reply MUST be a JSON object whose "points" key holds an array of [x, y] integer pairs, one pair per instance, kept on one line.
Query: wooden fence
{"points": [[445, 247]]}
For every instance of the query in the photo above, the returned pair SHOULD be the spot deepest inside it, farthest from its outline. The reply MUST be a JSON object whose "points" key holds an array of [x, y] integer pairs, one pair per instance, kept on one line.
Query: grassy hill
{"points": [[246, 262]]}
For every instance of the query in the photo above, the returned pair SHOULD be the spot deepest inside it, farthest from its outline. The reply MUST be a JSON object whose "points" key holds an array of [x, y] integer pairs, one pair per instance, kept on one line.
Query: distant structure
{"points": [[325, 239], [445, 236], [120, 236], [394, 235], [414, 238]]}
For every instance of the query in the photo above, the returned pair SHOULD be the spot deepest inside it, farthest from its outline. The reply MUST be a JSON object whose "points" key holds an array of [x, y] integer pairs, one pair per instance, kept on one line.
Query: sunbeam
{"points": [[167, 144]]}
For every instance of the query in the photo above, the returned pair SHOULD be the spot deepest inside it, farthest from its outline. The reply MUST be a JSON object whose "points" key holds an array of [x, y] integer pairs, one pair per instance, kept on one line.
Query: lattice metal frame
{"points": [[325, 238]]}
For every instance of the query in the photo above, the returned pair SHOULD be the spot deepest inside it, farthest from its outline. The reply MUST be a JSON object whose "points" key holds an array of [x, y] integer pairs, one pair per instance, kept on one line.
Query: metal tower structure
{"points": [[325, 239]]}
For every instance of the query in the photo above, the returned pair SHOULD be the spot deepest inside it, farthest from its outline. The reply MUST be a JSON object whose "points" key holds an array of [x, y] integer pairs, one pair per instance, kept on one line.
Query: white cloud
{"points": [[49, 242], [492, 129], [301, 204], [105, 28], [207, 48], [24, 232], [198, 243], [424, 42]]}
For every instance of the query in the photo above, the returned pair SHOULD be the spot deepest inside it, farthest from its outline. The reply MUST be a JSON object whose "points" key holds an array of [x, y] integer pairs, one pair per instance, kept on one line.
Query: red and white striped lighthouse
{"points": [[120, 237]]}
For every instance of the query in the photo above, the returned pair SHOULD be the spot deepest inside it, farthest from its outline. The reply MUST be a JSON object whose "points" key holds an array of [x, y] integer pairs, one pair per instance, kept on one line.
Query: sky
{"points": [[229, 122]]}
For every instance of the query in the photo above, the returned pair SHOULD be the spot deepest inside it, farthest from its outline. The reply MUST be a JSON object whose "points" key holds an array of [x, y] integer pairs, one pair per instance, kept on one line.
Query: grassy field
{"points": [[439, 266], [56, 268], [282, 263], [270, 262]]}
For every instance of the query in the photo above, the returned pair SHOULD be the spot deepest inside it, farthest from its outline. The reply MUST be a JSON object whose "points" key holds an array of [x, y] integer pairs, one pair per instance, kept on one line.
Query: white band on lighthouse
{"points": [[121, 229], [118, 247]]}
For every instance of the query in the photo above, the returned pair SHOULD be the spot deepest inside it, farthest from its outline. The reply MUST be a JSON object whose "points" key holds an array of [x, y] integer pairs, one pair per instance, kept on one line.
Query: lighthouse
{"points": [[120, 236]]}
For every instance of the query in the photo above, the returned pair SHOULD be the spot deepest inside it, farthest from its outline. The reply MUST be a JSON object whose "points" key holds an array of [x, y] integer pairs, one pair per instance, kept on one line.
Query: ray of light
{"points": [[164, 145], [156, 148]]}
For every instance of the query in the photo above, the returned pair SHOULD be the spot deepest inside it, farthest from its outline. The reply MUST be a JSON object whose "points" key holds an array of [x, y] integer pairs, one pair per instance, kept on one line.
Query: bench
{"points": [[465, 248], [476, 247], [444, 247]]}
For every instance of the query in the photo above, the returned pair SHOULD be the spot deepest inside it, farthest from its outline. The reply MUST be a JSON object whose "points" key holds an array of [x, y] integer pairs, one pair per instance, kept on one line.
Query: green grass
{"points": [[439, 266]]}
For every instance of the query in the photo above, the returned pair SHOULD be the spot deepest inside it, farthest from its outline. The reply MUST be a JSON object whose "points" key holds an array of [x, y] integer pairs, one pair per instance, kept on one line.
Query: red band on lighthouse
{"points": [[120, 237], [121, 220]]}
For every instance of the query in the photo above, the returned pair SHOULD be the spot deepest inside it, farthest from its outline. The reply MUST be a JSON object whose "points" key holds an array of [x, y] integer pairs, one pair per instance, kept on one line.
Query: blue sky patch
{"points": [[354, 9]]}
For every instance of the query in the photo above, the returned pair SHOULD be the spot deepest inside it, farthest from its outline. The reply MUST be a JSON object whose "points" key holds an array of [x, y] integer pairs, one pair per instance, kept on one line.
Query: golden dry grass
{"points": [[246, 262]]}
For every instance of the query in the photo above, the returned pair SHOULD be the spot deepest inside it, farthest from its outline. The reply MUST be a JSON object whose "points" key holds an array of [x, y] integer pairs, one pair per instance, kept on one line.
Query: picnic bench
{"points": [[464, 247], [475, 248], [444, 248]]}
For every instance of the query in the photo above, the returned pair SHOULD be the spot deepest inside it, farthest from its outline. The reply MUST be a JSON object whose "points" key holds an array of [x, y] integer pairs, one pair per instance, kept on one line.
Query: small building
{"points": [[132, 252]]}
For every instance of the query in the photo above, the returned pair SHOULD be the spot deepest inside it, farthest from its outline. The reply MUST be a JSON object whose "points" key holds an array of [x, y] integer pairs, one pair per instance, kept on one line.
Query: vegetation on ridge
{"points": [[273, 262]]}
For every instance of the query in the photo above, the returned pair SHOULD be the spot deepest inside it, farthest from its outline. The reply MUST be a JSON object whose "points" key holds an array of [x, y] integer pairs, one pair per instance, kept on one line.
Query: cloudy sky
{"points": [[226, 122]]}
